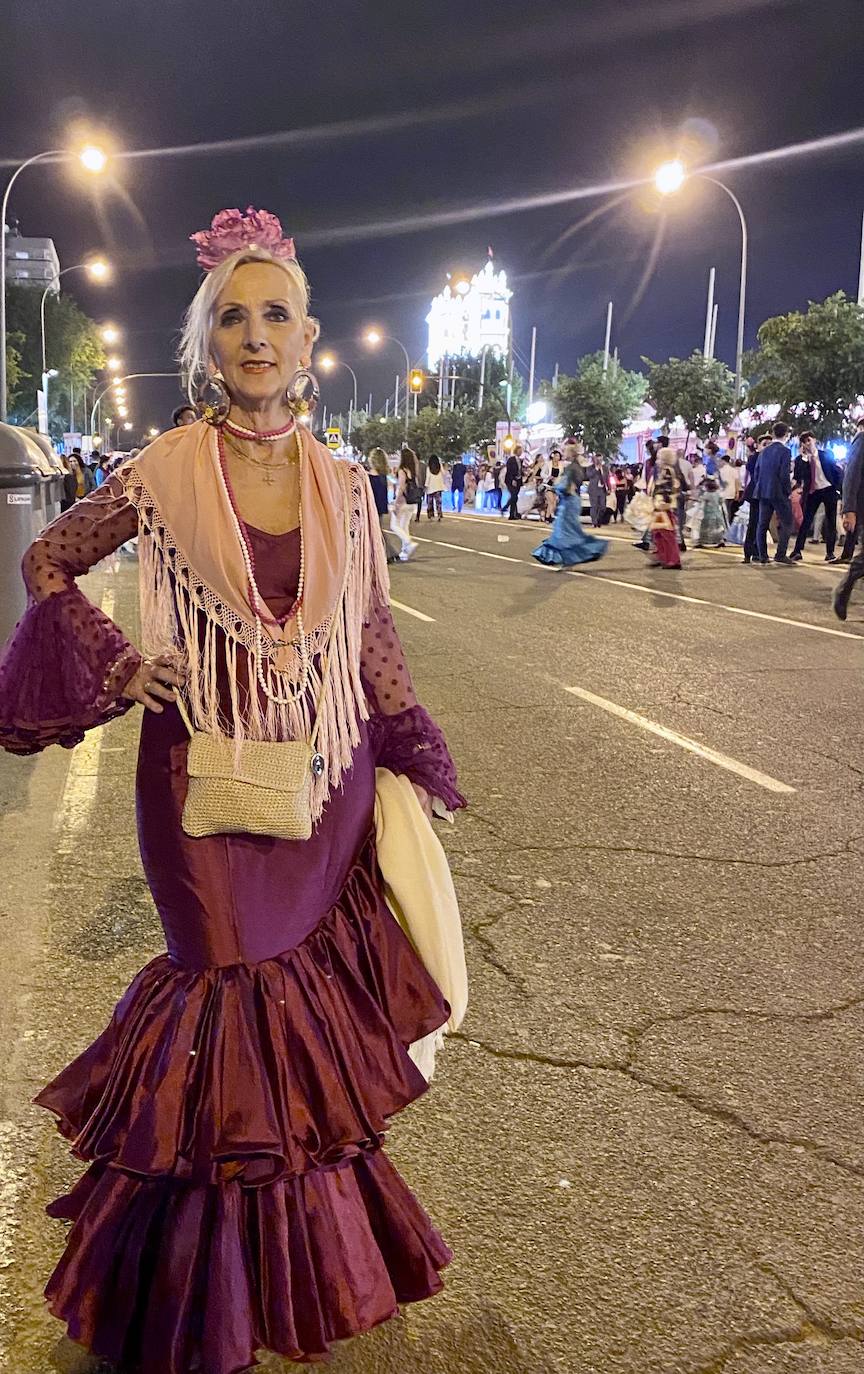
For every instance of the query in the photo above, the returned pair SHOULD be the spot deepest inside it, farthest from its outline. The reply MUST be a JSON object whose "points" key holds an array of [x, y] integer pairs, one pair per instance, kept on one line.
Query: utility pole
{"points": [[608, 338], [713, 330], [533, 362], [709, 315]]}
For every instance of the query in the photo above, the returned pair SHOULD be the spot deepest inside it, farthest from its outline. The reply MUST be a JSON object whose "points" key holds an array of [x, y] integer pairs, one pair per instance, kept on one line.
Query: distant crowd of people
{"points": [[715, 496], [81, 474]]}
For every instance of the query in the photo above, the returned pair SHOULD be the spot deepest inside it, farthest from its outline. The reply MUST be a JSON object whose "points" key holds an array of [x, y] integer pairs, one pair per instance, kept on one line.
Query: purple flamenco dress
{"points": [[232, 1113]]}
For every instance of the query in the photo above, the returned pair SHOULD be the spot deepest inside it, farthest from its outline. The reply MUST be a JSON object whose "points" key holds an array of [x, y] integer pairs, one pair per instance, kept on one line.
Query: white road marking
{"points": [[733, 551], [461, 548], [601, 580], [683, 741], [409, 610]]}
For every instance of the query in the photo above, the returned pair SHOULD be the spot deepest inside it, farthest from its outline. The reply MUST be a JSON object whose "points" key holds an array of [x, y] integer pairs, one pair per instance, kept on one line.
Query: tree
{"points": [[14, 373], [596, 405], [812, 365], [378, 432], [699, 390], [445, 434], [74, 348]]}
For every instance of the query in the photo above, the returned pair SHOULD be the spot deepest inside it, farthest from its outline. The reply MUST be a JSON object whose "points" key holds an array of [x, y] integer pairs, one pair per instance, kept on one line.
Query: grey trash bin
{"points": [[30, 489]]}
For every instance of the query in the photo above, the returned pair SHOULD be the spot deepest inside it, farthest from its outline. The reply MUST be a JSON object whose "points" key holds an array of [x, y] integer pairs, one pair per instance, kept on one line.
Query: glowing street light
{"points": [[114, 364], [110, 334], [122, 411], [128, 424], [98, 269], [463, 287], [670, 177], [373, 337], [329, 360], [93, 158], [153, 432]]}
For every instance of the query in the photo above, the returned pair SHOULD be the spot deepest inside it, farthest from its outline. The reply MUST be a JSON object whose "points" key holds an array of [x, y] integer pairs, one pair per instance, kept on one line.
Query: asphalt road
{"points": [[645, 1146]]}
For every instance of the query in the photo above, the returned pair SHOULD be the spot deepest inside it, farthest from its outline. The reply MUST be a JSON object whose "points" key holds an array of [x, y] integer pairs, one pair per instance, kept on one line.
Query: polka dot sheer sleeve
{"points": [[66, 663], [404, 736]]}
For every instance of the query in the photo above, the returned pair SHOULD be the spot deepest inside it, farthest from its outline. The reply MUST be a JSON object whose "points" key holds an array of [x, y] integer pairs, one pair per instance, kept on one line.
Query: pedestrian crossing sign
{"points": [[333, 437]]}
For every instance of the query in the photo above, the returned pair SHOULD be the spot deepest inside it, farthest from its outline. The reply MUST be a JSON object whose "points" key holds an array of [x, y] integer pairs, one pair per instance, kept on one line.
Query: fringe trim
{"points": [[182, 617]]}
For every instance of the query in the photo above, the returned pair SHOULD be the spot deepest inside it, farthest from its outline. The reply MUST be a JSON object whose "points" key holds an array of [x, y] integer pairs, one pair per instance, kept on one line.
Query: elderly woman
{"points": [[233, 1111]]}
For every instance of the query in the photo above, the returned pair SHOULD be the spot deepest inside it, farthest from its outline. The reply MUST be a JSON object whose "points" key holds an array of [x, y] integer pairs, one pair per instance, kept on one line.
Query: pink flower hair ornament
{"points": [[230, 232]]}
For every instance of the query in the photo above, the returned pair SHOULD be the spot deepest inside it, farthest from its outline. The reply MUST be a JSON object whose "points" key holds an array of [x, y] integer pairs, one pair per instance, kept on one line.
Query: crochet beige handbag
{"points": [[265, 790]]}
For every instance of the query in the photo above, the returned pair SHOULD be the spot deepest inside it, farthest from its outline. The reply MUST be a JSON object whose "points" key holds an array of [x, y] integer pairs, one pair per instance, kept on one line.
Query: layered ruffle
{"points": [[197, 1278], [258, 1072], [410, 742], [61, 673]]}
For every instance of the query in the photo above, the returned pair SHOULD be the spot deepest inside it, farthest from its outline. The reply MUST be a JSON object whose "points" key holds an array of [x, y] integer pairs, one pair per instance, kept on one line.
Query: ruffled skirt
{"points": [[238, 1196], [568, 543]]}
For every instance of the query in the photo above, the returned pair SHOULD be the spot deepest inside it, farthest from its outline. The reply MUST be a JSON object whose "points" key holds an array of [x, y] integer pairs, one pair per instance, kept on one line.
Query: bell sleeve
{"points": [[405, 738], [66, 663]]}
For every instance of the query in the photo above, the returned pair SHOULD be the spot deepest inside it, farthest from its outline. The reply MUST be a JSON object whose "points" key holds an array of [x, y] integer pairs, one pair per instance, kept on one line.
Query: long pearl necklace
{"points": [[255, 595]]}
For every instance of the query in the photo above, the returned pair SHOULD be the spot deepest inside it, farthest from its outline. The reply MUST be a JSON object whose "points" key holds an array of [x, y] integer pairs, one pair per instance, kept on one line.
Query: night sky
{"points": [[409, 111]]}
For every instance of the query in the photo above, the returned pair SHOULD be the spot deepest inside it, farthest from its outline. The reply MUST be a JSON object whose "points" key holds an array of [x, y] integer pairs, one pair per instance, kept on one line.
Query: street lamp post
{"points": [[373, 336], [98, 270], [670, 178], [130, 376], [94, 161], [328, 361]]}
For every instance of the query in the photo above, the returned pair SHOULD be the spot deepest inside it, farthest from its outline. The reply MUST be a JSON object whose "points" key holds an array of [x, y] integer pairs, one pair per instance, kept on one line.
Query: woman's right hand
{"points": [[153, 683]]}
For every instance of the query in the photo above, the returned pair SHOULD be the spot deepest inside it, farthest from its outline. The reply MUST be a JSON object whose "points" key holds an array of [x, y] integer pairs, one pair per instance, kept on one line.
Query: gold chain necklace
{"points": [[268, 466]]}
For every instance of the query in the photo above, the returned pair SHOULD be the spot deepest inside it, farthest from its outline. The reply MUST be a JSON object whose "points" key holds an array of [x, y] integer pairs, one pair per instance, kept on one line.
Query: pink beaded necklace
{"points": [[263, 436]]}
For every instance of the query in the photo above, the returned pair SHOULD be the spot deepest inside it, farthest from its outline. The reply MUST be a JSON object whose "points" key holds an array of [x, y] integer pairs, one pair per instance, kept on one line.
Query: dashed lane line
{"points": [[602, 580], [409, 610], [692, 746]]}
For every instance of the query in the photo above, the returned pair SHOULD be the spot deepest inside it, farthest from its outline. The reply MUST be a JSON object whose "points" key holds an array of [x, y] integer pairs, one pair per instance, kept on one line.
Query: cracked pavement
{"points": [[644, 1144]]}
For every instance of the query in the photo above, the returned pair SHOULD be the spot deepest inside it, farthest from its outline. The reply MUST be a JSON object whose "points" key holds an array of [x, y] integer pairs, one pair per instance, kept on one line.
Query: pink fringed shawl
{"points": [[193, 586]]}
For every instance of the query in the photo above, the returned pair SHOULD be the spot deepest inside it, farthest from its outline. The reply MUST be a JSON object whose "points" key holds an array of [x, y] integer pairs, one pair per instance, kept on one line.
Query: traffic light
{"points": [[417, 380]]}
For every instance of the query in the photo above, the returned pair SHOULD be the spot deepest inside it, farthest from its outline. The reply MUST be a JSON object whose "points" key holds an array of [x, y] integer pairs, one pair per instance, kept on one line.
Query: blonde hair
{"points": [[194, 354]]}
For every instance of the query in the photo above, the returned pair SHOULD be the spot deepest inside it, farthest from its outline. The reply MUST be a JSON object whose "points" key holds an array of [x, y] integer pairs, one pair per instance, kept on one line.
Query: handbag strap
{"points": [[325, 671]]}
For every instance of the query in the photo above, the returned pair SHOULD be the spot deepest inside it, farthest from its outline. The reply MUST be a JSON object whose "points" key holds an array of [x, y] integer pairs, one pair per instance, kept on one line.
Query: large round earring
{"points": [[212, 401], [302, 393]]}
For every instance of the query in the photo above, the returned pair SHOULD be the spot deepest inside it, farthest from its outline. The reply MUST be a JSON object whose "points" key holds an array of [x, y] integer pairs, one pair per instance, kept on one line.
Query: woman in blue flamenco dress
{"points": [[569, 544]]}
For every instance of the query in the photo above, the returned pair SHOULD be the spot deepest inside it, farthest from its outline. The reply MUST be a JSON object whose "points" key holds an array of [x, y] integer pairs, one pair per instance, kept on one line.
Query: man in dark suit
{"points": [[513, 482], [852, 510], [821, 479], [457, 474], [754, 453], [772, 489]]}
